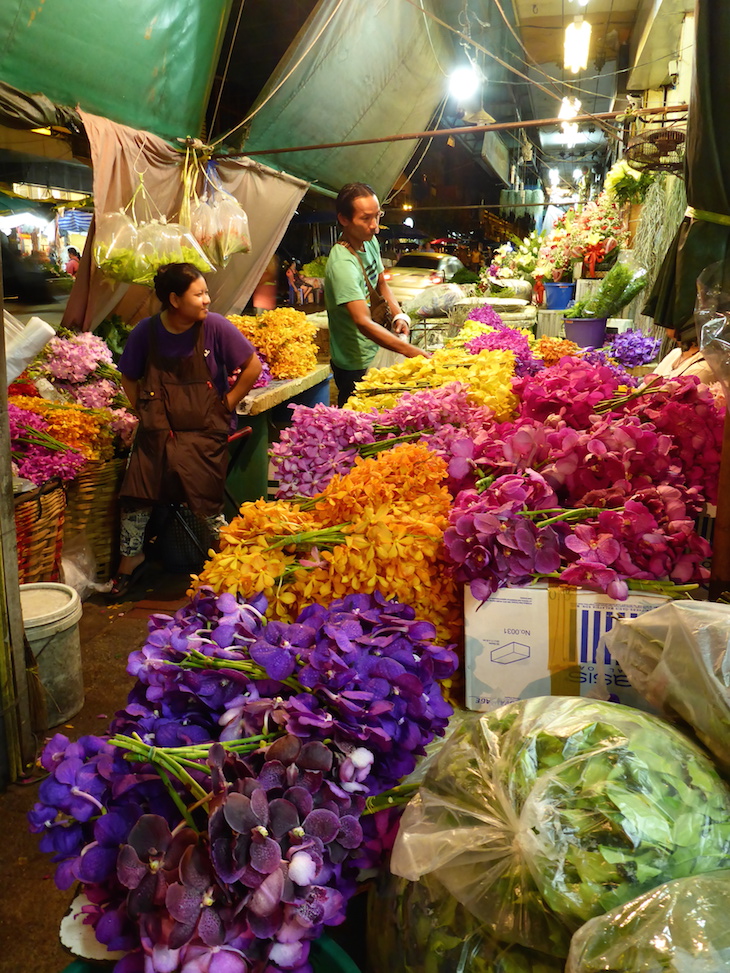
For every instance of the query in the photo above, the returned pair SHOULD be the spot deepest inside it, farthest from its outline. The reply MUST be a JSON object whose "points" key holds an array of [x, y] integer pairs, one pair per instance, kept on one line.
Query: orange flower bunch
{"points": [[380, 527], [284, 337], [88, 431], [552, 349]]}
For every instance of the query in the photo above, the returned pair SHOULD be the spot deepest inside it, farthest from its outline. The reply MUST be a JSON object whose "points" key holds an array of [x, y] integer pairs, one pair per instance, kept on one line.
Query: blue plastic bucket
{"points": [[558, 295], [586, 332]]}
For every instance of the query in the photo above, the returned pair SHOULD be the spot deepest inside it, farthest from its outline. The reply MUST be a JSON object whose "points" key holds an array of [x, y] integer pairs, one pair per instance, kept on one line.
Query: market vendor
{"points": [[686, 359], [175, 371], [352, 263]]}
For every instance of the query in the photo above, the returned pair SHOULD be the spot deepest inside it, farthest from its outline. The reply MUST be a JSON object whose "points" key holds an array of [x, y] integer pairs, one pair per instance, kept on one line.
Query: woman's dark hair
{"points": [[174, 279], [347, 196], [73, 252]]}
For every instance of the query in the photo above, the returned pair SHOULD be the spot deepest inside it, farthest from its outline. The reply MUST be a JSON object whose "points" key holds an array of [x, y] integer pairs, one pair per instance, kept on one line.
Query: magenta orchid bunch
{"points": [[220, 825], [35, 454], [515, 532]]}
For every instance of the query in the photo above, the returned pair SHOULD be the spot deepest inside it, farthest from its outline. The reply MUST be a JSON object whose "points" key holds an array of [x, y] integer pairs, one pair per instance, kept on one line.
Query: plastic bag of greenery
{"points": [[422, 928], [160, 243], [680, 927], [712, 320], [678, 657], [435, 301], [617, 289], [549, 811], [115, 246], [220, 226]]}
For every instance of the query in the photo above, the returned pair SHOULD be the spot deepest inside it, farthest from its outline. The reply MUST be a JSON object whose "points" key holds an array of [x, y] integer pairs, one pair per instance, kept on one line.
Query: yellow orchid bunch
{"points": [[487, 375], [284, 337], [379, 527], [88, 431]]}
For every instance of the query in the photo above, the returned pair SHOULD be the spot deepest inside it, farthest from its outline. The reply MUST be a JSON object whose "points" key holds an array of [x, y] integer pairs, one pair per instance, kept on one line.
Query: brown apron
{"points": [[180, 451]]}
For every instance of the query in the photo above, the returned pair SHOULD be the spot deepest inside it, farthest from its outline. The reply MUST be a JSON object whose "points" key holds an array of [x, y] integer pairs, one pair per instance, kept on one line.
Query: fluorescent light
{"points": [[464, 82], [554, 177], [577, 43], [570, 134], [577, 173], [569, 108]]}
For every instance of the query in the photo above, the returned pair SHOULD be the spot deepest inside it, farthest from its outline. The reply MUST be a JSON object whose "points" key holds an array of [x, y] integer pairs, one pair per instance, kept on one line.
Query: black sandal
{"points": [[121, 583]]}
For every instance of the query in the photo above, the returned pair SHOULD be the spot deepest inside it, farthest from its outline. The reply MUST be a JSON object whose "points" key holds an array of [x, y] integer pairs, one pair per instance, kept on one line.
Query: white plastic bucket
{"points": [[51, 613]]}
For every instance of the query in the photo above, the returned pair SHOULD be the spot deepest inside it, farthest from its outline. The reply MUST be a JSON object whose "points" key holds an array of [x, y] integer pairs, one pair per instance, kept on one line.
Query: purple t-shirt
{"points": [[225, 348]]}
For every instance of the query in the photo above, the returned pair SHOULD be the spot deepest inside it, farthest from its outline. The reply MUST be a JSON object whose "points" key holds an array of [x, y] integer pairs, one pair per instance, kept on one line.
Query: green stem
{"points": [[196, 660], [368, 449], [323, 536], [177, 800], [577, 513], [401, 794]]}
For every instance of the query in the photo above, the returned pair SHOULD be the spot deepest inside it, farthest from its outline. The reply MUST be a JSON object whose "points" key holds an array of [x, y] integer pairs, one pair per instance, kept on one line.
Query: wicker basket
{"points": [[93, 506], [39, 519]]}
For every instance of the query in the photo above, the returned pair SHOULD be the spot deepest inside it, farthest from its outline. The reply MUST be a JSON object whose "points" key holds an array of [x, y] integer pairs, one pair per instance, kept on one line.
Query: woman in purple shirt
{"points": [[175, 370]]}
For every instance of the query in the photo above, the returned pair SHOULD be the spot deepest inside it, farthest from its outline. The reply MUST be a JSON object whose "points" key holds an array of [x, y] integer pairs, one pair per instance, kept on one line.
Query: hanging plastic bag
{"points": [[435, 301], [115, 246], [160, 243], [219, 223], [712, 320]]}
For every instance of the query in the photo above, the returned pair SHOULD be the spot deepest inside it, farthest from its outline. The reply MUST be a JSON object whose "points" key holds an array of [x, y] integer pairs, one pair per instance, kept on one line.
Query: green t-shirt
{"points": [[344, 282]]}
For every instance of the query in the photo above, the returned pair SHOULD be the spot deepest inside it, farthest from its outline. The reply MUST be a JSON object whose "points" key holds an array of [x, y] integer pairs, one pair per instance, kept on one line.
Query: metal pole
{"points": [[462, 130]]}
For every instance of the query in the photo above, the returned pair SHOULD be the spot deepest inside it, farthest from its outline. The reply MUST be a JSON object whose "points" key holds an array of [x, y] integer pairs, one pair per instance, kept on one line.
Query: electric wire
{"points": [[225, 69]]}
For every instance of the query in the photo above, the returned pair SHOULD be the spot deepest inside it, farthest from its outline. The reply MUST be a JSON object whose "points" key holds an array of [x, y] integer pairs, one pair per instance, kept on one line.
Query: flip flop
{"points": [[121, 583]]}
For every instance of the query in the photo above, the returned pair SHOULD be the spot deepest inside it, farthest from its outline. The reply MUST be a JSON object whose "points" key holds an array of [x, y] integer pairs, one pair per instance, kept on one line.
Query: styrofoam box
{"points": [[546, 641]]}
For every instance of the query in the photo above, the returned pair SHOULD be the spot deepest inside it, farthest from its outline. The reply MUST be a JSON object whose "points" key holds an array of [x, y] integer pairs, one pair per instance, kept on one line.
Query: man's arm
{"points": [[401, 321], [360, 314]]}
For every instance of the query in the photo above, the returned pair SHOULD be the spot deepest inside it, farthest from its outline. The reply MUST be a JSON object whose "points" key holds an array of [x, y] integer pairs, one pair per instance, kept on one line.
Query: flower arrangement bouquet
{"points": [[36, 454], [593, 236], [517, 259], [221, 822], [624, 184]]}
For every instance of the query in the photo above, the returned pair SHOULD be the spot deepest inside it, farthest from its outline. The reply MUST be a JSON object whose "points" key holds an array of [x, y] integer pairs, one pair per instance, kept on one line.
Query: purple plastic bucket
{"points": [[586, 332], [558, 295]]}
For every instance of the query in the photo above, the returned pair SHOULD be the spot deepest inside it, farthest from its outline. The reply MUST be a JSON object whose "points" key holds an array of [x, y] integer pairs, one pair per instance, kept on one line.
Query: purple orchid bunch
{"points": [[36, 455], [515, 531], [75, 358], [323, 441], [634, 348], [221, 824]]}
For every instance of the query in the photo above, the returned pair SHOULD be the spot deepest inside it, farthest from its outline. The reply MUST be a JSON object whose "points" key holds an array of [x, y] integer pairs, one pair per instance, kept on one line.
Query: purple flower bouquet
{"points": [[221, 823]]}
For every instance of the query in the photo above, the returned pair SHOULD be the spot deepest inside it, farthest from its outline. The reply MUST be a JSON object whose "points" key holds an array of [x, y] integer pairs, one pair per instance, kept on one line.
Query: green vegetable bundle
{"points": [[549, 811], [676, 928], [316, 267], [617, 289], [421, 928]]}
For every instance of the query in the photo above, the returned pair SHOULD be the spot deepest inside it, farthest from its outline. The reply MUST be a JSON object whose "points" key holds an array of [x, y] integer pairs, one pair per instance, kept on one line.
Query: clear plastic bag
{"points": [[678, 658], [680, 927], [160, 243], [435, 301], [115, 246], [78, 566], [423, 929], [712, 320], [549, 811], [220, 226]]}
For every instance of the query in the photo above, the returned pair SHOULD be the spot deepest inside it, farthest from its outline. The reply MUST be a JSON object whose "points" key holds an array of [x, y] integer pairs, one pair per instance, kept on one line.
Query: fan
{"points": [[658, 150]]}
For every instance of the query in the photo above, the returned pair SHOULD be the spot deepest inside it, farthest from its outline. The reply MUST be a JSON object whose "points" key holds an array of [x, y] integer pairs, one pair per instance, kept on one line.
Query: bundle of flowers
{"points": [[488, 376], [624, 184], [35, 454], [87, 431], [552, 349], [633, 348], [593, 236], [379, 527], [516, 531], [323, 441], [81, 368], [284, 338], [516, 259], [220, 824]]}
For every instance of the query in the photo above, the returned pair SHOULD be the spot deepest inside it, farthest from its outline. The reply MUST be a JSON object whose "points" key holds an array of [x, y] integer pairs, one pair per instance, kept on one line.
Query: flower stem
{"points": [[401, 794]]}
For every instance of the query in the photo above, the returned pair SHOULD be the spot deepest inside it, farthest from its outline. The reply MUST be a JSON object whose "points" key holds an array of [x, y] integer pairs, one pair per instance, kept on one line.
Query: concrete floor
{"points": [[31, 907]]}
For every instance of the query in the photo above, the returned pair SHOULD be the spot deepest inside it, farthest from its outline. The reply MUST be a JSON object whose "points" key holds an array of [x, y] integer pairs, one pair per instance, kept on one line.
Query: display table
{"points": [[248, 469]]}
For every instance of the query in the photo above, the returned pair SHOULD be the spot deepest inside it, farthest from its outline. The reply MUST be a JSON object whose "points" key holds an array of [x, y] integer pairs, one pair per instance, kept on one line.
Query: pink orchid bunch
{"points": [[75, 357], [35, 454], [515, 531]]}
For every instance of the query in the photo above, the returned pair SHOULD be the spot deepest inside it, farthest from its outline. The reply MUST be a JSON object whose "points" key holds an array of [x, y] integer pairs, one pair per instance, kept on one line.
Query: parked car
{"points": [[415, 271]]}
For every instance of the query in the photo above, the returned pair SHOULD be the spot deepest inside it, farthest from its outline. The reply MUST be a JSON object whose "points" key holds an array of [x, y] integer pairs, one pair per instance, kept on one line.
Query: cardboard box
{"points": [[546, 641]]}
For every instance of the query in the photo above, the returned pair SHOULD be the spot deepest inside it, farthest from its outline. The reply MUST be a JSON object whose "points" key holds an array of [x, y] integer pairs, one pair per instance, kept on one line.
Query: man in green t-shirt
{"points": [[354, 336]]}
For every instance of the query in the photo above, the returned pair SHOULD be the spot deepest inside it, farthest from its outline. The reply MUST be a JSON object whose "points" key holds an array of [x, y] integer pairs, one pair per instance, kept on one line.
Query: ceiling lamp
{"points": [[464, 82], [569, 108], [577, 43], [554, 177]]}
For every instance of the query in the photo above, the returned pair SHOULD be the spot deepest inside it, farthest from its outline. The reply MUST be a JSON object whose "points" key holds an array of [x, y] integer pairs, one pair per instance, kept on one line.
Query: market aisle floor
{"points": [[31, 907]]}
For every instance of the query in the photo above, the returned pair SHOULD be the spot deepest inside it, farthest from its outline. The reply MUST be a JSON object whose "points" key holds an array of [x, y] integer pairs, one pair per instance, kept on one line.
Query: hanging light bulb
{"points": [[577, 173], [554, 177], [569, 108], [464, 82], [577, 43]]}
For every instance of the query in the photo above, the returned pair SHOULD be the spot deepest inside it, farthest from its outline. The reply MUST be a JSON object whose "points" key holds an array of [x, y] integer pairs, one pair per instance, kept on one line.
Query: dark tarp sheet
{"points": [[700, 242], [147, 64]]}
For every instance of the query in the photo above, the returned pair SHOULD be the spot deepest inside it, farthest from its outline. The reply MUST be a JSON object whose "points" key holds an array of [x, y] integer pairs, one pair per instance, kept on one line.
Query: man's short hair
{"points": [[347, 196]]}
